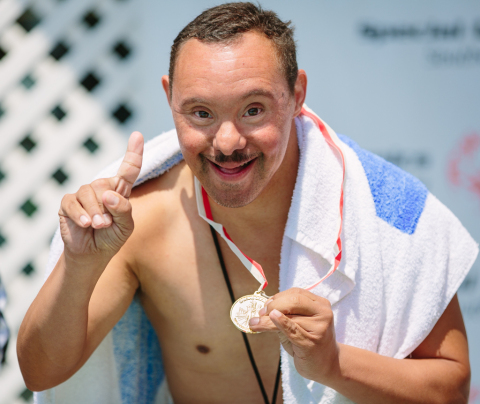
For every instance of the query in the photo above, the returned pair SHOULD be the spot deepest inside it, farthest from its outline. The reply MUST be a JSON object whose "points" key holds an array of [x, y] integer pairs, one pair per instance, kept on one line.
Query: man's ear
{"points": [[300, 91], [166, 87]]}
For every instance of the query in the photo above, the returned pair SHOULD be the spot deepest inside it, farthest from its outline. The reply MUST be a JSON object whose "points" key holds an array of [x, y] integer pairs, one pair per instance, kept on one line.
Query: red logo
{"points": [[474, 394], [464, 164]]}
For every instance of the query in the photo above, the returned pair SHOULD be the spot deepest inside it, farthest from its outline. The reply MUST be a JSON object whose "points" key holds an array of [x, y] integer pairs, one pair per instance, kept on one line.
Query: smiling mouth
{"points": [[233, 170]]}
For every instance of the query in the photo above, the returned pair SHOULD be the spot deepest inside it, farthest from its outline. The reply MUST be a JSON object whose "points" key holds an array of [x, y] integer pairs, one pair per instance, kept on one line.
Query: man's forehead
{"points": [[256, 43], [251, 57]]}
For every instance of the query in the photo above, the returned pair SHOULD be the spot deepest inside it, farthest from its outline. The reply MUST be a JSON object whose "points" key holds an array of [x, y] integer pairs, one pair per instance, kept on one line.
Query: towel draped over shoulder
{"points": [[404, 257]]}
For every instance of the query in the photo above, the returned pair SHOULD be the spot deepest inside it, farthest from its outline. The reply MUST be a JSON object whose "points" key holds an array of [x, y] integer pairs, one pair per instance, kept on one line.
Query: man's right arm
{"points": [[73, 312], [92, 284]]}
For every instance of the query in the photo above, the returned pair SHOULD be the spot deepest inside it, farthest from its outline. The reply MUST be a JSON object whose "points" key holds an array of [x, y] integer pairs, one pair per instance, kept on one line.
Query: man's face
{"points": [[233, 113]]}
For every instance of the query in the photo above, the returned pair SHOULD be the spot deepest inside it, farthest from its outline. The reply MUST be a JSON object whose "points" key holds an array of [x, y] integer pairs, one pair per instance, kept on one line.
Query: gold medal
{"points": [[245, 308]]}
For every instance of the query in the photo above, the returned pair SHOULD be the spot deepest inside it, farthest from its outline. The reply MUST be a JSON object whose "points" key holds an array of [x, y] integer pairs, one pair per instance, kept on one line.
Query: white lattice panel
{"points": [[68, 72]]}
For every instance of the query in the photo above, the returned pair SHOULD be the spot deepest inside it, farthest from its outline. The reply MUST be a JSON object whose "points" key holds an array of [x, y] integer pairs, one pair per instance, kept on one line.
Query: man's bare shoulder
{"points": [[160, 200], [162, 211], [167, 226]]}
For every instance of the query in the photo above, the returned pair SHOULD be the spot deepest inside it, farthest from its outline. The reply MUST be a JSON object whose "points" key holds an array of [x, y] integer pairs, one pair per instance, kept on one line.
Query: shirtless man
{"points": [[234, 107]]}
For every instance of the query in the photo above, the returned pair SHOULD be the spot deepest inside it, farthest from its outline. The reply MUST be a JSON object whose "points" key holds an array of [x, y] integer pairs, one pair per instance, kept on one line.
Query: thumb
{"points": [[120, 209]]}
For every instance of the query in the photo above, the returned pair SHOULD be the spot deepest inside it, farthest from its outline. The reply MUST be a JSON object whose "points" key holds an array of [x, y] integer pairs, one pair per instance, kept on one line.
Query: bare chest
{"points": [[185, 295]]}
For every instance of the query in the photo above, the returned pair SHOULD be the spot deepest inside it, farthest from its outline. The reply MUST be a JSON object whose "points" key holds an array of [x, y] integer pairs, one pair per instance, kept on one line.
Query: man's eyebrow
{"points": [[256, 92], [193, 100], [259, 92]]}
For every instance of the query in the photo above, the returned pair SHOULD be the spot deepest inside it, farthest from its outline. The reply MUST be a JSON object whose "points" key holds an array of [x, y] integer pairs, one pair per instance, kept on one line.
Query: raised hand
{"points": [[304, 323], [97, 219]]}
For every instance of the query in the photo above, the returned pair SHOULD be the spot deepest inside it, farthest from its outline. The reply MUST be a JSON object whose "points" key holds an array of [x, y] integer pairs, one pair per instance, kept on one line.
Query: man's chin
{"points": [[231, 199], [231, 195]]}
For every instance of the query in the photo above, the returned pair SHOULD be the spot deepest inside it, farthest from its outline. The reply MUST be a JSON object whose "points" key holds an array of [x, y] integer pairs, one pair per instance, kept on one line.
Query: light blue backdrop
{"points": [[400, 78]]}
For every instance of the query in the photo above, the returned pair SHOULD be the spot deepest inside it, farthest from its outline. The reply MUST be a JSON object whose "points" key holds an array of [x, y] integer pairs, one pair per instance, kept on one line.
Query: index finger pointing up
{"points": [[131, 165]]}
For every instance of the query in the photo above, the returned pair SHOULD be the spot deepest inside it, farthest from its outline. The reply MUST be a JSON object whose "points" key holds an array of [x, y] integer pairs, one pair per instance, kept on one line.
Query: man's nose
{"points": [[228, 139]]}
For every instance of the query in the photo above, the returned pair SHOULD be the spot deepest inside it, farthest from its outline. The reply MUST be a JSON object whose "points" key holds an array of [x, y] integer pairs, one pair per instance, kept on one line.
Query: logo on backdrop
{"points": [[464, 164], [474, 394], [446, 43]]}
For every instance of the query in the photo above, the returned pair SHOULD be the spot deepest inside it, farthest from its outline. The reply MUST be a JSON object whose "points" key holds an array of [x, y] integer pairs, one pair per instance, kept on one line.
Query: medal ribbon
{"points": [[333, 140], [205, 212], [203, 205]]}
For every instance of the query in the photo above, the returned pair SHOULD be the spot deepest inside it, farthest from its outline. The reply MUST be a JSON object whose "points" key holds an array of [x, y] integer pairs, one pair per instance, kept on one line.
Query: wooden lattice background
{"points": [[67, 102]]}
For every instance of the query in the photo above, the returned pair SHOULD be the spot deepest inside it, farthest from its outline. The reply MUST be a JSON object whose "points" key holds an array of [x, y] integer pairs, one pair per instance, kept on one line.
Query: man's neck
{"points": [[269, 211]]}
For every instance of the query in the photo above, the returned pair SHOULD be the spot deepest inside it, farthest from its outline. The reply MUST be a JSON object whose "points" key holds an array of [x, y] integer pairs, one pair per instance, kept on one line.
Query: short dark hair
{"points": [[227, 22]]}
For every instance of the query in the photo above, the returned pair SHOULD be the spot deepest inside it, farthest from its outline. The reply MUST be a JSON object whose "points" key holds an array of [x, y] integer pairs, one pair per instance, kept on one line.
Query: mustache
{"points": [[235, 157]]}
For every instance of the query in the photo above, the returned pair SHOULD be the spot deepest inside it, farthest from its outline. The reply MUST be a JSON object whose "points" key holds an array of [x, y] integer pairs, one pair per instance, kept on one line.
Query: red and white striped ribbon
{"points": [[205, 212], [334, 142], [203, 205]]}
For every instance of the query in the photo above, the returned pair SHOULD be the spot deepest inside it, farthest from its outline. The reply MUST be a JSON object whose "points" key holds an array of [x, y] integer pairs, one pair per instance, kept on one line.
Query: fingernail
{"points": [[254, 321], [84, 220], [275, 313], [262, 311], [111, 199], [107, 219], [97, 220], [268, 301]]}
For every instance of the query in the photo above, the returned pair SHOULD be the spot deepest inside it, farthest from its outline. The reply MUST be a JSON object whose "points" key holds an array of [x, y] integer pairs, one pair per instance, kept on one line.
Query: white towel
{"points": [[404, 256]]}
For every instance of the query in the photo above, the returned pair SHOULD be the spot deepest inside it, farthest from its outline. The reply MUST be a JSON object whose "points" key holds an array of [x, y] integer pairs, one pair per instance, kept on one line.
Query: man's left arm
{"points": [[438, 371]]}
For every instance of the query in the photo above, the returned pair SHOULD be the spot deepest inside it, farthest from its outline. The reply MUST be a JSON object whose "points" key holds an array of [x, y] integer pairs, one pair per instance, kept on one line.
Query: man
{"points": [[236, 97]]}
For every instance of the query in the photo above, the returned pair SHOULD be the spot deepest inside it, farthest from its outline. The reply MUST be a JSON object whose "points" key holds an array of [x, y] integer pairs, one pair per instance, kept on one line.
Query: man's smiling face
{"points": [[234, 114]]}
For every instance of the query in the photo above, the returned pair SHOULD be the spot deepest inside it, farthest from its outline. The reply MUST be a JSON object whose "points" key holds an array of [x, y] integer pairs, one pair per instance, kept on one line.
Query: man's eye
{"points": [[253, 112], [202, 114]]}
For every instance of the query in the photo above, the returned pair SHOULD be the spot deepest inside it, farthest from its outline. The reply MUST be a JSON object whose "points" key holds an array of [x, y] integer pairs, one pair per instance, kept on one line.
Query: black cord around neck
{"points": [[245, 339]]}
